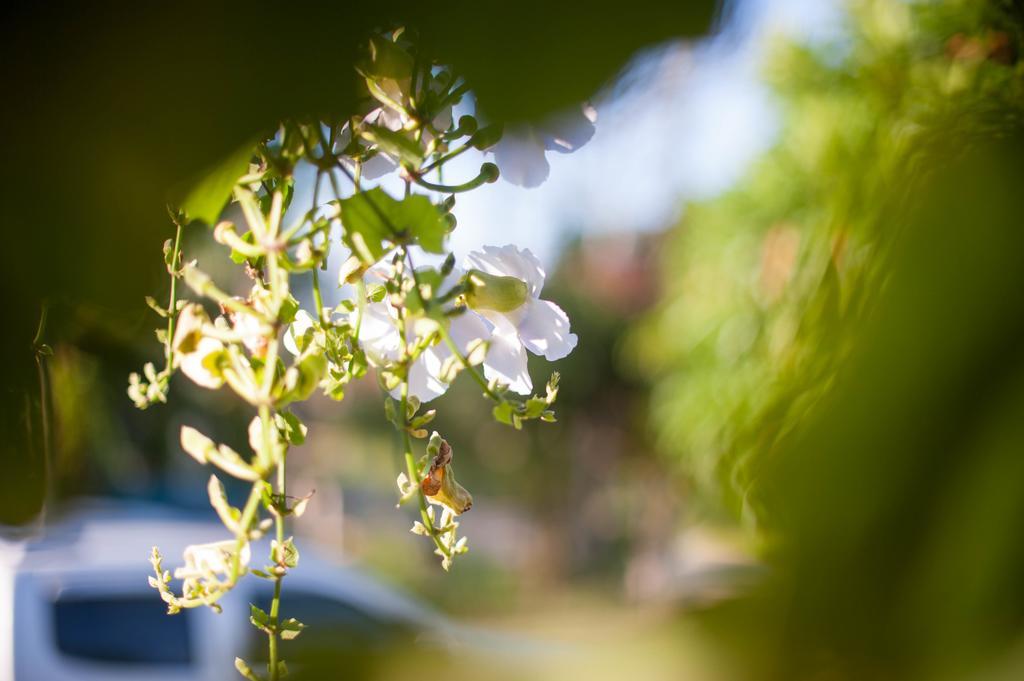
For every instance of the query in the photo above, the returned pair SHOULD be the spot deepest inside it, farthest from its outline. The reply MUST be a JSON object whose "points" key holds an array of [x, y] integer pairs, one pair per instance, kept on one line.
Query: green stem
{"points": [[318, 299], [410, 458], [275, 604], [267, 423], [444, 159], [244, 525], [414, 474], [473, 371], [454, 96], [478, 181], [173, 298]]}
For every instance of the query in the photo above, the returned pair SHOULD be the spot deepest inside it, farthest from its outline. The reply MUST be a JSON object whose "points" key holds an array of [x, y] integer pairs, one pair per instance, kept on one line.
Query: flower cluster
{"points": [[414, 327], [492, 315]]}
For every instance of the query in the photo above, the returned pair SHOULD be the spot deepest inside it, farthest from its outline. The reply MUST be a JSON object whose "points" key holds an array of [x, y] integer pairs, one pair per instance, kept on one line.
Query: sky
{"points": [[683, 122]]}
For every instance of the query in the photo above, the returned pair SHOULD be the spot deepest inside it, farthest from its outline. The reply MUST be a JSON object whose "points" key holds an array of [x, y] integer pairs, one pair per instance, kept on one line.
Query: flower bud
{"points": [[493, 292], [467, 125], [489, 172], [487, 137]]}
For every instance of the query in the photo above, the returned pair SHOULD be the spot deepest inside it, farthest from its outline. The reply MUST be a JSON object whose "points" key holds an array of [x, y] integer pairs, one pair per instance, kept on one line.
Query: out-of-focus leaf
{"points": [[208, 196]]}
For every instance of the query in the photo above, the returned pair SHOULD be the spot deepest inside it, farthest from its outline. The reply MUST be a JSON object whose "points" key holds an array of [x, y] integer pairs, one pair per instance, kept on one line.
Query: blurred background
{"points": [[790, 444]]}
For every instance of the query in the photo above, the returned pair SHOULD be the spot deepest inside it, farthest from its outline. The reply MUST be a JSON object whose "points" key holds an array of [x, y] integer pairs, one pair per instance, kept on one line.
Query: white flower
{"points": [[296, 332], [251, 332], [201, 363], [382, 342], [197, 355], [504, 288], [380, 164], [203, 561], [520, 154]]}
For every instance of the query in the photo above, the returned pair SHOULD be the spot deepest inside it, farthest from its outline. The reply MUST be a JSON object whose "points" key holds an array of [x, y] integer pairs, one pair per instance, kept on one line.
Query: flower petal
{"points": [[506, 361], [194, 364], [376, 167], [425, 376], [567, 132], [544, 330], [251, 330], [424, 385], [377, 333], [521, 160], [465, 329], [303, 322]]}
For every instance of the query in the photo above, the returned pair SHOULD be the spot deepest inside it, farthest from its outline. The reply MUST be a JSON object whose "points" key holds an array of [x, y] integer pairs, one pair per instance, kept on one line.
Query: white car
{"points": [[75, 605]]}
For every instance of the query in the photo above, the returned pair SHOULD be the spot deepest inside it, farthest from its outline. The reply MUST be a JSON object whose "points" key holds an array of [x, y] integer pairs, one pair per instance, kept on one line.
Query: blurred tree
{"points": [[766, 287], [840, 352]]}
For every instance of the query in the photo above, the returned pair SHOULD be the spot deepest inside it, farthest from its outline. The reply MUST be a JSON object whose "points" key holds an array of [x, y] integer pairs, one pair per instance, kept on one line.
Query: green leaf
{"points": [[207, 197], [374, 217], [535, 406], [503, 413], [291, 628], [258, 614], [425, 222], [284, 554], [395, 144], [289, 306], [294, 429]]}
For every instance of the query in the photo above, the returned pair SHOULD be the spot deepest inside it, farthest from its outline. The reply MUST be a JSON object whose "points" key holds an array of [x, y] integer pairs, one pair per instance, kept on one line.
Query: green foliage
{"points": [[374, 221], [207, 198], [838, 353], [767, 288]]}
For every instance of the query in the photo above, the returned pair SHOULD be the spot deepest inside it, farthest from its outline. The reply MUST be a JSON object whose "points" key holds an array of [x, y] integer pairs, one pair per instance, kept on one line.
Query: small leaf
{"points": [[291, 628], [151, 301], [503, 413], [300, 506], [259, 619], [294, 430], [245, 670], [219, 501], [285, 554], [196, 444]]}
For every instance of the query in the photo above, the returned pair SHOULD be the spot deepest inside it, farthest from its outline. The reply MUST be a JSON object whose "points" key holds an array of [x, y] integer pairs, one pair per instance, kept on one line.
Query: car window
{"points": [[332, 624], [121, 628]]}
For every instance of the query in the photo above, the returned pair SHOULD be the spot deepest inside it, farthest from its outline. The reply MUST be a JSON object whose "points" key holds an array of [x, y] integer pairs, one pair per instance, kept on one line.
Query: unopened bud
{"points": [[489, 172], [493, 292]]}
